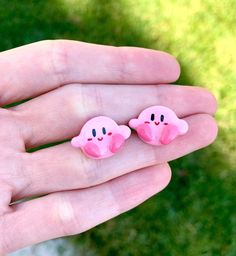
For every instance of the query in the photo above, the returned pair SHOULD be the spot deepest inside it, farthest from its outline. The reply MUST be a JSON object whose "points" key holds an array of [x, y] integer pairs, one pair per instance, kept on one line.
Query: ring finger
{"points": [[63, 167]]}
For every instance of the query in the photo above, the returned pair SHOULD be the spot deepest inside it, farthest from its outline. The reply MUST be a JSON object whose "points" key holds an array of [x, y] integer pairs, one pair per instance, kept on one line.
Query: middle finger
{"points": [[60, 114]]}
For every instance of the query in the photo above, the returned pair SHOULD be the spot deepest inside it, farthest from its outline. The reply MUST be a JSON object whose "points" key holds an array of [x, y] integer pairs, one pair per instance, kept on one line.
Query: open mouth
{"points": [[100, 139], [157, 123]]}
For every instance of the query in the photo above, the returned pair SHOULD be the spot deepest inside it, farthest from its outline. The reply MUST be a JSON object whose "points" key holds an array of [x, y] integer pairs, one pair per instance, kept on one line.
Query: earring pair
{"points": [[102, 137]]}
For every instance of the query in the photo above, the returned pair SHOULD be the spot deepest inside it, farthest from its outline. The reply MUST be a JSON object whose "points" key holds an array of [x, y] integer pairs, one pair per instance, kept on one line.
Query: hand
{"points": [[68, 83]]}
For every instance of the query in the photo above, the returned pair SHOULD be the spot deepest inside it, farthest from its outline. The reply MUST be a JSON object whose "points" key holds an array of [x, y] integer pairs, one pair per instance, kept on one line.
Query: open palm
{"points": [[70, 82]]}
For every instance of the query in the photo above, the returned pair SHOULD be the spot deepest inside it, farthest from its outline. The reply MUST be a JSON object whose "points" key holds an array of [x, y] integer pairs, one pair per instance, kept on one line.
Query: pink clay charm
{"points": [[101, 137], [158, 125]]}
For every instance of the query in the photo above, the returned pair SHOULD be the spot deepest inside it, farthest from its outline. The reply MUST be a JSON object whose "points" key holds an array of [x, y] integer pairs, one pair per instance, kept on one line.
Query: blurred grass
{"points": [[195, 215]]}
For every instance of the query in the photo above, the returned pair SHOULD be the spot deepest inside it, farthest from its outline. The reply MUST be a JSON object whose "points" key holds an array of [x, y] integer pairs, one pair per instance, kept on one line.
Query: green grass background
{"points": [[196, 214]]}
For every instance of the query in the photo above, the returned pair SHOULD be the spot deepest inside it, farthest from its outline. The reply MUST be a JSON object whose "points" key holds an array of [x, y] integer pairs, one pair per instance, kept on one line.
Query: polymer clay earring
{"points": [[158, 125], [101, 137]]}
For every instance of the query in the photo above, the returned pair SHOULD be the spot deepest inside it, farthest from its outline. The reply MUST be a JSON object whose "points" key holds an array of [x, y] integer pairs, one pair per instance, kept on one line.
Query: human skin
{"points": [[70, 82]]}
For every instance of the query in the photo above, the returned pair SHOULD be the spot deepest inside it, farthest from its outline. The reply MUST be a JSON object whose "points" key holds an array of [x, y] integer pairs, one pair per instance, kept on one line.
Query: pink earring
{"points": [[101, 137], [158, 125]]}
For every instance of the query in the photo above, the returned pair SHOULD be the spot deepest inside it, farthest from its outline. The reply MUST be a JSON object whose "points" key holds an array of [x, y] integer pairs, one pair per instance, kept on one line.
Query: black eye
{"points": [[152, 117], [103, 130], [94, 132], [162, 118]]}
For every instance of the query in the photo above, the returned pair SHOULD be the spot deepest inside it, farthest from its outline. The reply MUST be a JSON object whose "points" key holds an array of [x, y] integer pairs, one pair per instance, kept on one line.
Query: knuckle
{"points": [[64, 216], [98, 100], [59, 60], [122, 67], [88, 171], [83, 101], [75, 100], [9, 124], [12, 180], [119, 65], [6, 191], [86, 99]]}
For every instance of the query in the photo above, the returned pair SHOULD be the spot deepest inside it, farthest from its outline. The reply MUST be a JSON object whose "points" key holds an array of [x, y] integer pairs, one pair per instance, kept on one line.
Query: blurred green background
{"points": [[196, 214]]}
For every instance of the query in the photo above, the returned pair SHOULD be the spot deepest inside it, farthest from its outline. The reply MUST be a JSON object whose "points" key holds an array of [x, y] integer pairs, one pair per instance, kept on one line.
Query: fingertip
{"points": [[206, 97], [136, 187], [212, 101], [161, 176], [165, 173], [173, 68], [209, 129], [213, 127], [203, 128]]}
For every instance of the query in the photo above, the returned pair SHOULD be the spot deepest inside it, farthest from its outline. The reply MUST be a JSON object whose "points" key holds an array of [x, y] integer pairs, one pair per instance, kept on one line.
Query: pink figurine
{"points": [[101, 137], [158, 125]]}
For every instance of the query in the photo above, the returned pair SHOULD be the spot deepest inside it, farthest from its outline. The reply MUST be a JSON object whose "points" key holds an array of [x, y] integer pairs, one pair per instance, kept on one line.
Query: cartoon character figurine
{"points": [[101, 137], [158, 125]]}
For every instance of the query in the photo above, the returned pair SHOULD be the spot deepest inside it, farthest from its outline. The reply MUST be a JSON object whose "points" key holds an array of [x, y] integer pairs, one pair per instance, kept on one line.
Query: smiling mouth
{"points": [[100, 139], [157, 123]]}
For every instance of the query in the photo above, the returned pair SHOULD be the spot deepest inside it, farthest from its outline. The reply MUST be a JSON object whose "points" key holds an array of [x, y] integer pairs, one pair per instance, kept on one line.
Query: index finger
{"points": [[34, 69]]}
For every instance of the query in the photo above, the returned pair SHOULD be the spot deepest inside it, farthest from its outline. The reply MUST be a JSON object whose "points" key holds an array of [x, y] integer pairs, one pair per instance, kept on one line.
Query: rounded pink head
{"points": [[158, 125], [101, 137]]}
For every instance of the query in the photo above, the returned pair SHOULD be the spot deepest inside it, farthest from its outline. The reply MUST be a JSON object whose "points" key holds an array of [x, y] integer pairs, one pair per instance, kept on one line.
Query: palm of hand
{"points": [[71, 82]]}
